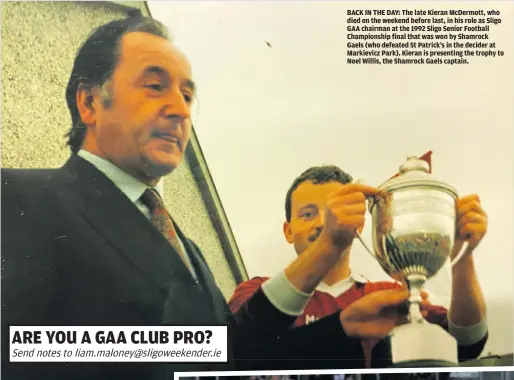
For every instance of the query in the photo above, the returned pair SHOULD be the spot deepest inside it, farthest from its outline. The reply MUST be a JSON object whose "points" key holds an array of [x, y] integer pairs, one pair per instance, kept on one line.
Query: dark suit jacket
{"points": [[76, 251]]}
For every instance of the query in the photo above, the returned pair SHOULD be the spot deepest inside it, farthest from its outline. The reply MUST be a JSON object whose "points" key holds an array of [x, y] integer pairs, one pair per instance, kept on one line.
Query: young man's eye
{"points": [[155, 87], [188, 98]]}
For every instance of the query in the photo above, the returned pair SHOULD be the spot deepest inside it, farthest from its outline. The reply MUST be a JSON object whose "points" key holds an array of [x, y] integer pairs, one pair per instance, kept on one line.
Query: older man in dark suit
{"points": [[92, 243]]}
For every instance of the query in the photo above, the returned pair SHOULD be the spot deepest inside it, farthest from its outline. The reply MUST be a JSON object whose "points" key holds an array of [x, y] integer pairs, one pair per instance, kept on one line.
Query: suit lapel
{"points": [[206, 279], [193, 255], [119, 221], [193, 304]]}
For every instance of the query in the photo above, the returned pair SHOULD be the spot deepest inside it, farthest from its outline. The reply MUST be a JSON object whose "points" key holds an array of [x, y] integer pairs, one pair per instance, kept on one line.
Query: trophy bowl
{"points": [[414, 222]]}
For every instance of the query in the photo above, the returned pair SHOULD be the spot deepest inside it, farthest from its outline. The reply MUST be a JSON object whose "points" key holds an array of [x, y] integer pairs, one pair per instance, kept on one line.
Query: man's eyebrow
{"points": [[156, 70], [189, 83]]}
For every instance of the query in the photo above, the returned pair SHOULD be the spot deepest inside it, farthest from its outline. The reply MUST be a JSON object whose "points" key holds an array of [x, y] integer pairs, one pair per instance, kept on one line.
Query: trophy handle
{"points": [[368, 199], [370, 251], [460, 255]]}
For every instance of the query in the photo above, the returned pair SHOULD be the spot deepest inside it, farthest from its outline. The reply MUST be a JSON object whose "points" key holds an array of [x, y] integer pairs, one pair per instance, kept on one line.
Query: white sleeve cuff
{"points": [[284, 296], [468, 335]]}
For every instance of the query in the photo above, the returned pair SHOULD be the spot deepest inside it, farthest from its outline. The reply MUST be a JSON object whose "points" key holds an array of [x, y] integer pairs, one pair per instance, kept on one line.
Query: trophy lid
{"points": [[415, 173]]}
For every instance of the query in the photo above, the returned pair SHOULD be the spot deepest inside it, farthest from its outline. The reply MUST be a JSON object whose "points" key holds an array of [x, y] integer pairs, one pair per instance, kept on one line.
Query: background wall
{"points": [[268, 113], [39, 43]]}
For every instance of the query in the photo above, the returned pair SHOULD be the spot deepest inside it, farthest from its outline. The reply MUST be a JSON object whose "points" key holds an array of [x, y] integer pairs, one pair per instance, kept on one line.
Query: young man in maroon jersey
{"points": [[321, 284]]}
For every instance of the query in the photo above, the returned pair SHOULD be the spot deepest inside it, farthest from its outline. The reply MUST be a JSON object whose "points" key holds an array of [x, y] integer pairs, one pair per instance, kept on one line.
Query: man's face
{"points": [[308, 204], [146, 128]]}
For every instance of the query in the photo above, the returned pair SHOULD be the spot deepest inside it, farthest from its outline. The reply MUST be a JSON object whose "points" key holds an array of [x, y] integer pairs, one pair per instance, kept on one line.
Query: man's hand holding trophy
{"points": [[418, 223]]}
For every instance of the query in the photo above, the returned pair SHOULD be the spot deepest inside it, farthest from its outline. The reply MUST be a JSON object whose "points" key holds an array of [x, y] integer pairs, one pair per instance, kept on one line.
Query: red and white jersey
{"points": [[328, 300]]}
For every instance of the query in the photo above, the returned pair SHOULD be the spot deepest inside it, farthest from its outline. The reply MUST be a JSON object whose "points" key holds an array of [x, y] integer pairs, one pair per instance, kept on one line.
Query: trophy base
{"points": [[422, 345]]}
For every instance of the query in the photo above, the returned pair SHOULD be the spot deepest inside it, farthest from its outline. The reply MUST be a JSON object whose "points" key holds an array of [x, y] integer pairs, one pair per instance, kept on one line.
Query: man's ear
{"points": [[288, 233], [85, 100]]}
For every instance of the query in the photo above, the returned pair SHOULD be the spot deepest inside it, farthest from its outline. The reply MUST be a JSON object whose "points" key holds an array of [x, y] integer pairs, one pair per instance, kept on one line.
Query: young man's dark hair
{"points": [[95, 63], [318, 175]]}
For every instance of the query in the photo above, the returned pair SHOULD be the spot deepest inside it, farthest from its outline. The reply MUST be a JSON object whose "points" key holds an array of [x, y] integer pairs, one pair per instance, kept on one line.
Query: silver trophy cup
{"points": [[414, 221]]}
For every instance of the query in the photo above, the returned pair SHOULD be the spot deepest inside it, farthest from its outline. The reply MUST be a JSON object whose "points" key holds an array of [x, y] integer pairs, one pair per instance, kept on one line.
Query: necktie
{"points": [[161, 219]]}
